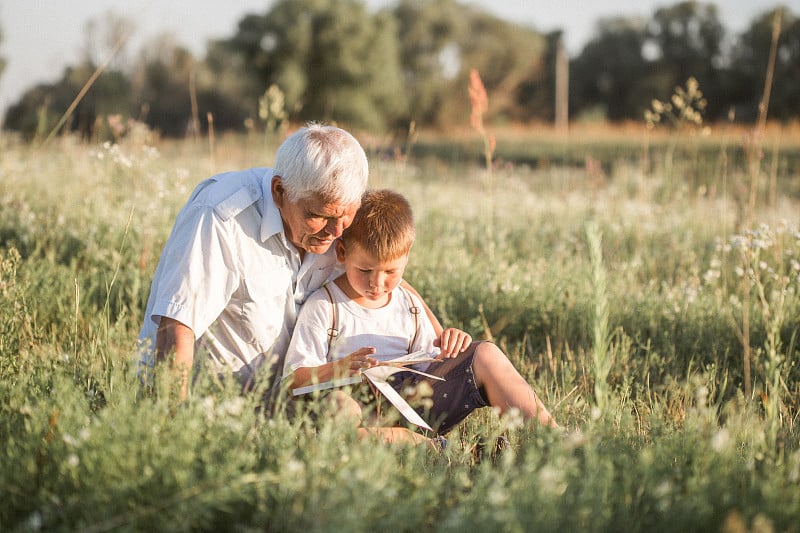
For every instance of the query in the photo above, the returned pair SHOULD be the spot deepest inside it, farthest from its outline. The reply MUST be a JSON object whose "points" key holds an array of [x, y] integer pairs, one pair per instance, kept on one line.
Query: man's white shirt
{"points": [[228, 272]]}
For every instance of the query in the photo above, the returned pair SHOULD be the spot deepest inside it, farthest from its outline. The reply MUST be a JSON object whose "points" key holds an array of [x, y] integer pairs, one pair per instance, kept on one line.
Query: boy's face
{"points": [[370, 281]]}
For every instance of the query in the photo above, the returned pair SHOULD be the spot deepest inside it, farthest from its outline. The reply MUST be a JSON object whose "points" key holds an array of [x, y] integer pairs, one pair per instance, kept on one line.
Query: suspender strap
{"points": [[414, 310], [333, 331]]}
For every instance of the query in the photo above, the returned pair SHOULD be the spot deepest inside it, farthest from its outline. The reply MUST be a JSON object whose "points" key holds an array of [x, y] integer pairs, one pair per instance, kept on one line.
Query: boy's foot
{"points": [[439, 443], [479, 450]]}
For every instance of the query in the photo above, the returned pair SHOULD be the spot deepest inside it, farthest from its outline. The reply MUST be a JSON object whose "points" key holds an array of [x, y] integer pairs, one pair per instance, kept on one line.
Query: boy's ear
{"points": [[341, 251]]}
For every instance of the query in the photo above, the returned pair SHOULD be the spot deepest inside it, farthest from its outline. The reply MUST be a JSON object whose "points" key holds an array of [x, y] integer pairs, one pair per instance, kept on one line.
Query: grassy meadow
{"points": [[645, 282]]}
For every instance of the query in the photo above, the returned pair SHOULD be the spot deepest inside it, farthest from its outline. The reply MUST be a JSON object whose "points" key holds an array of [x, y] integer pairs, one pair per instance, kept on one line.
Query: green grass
{"points": [[674, 444]]}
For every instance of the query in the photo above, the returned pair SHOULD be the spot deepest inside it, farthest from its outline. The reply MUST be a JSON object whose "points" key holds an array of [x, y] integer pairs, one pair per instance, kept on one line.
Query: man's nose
{"points": [[335, 227]]}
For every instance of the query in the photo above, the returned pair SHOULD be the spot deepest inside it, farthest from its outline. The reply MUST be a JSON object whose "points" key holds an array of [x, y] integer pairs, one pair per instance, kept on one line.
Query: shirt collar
{"points": [[271, 222]]}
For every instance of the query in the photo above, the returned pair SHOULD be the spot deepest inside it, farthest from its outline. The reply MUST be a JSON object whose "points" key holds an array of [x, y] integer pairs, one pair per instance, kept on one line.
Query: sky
{"points": [[41, 37]]}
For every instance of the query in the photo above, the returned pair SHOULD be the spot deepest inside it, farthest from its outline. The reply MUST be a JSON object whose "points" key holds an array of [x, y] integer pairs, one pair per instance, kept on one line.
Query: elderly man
{"points": [[245, 252]]}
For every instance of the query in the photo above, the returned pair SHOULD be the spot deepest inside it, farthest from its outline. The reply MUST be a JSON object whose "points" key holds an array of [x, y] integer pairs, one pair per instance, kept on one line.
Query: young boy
{"points": [[365, 316]]}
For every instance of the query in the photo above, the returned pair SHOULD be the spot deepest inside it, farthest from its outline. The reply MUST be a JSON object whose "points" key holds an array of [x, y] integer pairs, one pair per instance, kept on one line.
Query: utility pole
{"points": [[562, 87]]}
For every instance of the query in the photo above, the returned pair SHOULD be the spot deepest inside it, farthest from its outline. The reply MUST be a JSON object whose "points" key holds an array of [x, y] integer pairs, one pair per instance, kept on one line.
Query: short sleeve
{"points": [[309, 345], [198, 270]]}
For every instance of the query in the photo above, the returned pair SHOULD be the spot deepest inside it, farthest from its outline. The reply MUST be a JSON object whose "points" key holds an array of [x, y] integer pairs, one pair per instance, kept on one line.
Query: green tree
{"points": [[39, 109], [430, 51], [749, 59], [608, 74], [515, 64], [161, 83], [443, 40], [686, 40], [334, 61]]}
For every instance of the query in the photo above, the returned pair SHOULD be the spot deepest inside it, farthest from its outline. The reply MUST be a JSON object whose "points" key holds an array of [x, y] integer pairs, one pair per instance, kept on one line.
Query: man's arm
{"points": [[437, 327], [175, 337]]}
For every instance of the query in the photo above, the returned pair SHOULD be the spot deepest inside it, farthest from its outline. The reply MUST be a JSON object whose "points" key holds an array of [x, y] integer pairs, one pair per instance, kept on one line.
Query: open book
{"points": [[377, 375]]}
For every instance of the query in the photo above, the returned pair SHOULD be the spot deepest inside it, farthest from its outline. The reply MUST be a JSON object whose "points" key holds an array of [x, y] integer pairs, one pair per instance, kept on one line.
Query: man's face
{"points": [[312, 224]]}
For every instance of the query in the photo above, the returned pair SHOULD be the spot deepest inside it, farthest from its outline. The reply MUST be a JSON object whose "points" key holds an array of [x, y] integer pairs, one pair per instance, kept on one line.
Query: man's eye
{"points": [[364, 270]]}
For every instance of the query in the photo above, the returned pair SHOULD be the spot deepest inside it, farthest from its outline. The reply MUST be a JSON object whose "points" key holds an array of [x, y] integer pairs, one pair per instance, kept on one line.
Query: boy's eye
{"points": [[364, 270]]}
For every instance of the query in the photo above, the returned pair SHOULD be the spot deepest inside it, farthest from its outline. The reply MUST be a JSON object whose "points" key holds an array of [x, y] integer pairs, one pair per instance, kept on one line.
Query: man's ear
{"points": [[278, 191], [341, 251]]}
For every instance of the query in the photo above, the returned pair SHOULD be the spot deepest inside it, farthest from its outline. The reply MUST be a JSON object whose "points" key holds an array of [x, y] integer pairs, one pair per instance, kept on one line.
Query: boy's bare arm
{"points": [[437, 327], [359, 360]]}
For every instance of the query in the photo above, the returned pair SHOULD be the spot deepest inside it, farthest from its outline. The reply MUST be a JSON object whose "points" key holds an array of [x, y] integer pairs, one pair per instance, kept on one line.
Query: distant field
{"points": [[645, 282]]}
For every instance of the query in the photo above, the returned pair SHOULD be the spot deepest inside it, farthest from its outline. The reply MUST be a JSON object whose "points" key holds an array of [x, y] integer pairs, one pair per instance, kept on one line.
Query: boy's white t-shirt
{"points": [[389, 329]]}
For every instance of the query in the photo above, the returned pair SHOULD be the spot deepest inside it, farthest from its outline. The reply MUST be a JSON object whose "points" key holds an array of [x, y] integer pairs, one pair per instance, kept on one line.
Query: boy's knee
{"points": [[346, 407], [488, 353]]}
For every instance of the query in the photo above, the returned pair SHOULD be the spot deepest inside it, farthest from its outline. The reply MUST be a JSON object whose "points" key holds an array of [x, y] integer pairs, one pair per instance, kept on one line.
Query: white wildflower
{"points": [[711, 275], [513, 419], [496, 495], [552, 481], [721, 441], [701, 396], [662, 493], [208, 408], [232, 407], [295, 467]]}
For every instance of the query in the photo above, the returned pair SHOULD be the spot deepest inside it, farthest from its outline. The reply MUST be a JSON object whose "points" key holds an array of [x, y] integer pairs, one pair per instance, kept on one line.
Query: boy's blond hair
{"points": [[383, 225]]}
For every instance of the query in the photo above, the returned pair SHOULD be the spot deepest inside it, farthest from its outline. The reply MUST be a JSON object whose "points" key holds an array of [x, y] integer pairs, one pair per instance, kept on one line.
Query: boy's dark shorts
{"points": [[454, 398]]}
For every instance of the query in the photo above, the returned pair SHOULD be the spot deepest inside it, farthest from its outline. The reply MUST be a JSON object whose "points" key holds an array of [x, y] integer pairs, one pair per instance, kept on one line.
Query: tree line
{"points": [[409, 64]]}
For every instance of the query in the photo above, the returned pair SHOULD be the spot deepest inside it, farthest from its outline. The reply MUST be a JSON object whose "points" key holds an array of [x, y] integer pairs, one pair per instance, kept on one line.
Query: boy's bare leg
{"points": [[392, 435], [343, 405], [505, 387]]}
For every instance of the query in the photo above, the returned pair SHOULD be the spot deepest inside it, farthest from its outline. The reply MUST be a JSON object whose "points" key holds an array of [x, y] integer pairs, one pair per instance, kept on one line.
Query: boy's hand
{"points": [[357, 361], [452, 342]]}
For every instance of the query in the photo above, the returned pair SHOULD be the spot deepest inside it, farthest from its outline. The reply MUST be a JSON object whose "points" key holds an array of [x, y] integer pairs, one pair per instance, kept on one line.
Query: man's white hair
{"points": [[322, 160]]}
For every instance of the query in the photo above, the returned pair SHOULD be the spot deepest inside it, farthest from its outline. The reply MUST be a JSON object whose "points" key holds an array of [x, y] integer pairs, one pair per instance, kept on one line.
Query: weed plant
{"points": [[677, 445]]}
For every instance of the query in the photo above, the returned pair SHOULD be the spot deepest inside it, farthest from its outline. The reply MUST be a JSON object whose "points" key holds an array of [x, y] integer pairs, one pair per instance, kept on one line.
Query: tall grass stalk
{"points": [[755, 154], [479, 102], [108, 362], [601, 352], [86, 86]]}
